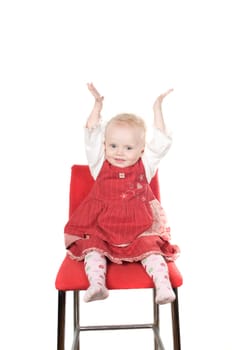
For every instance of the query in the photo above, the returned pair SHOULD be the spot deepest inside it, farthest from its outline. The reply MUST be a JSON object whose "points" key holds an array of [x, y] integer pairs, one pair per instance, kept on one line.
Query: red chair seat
{"points": [[71, 276]]}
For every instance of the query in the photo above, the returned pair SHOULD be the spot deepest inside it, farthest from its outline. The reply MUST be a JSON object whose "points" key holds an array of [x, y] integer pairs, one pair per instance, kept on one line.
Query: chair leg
{"points": [[61, 320], [176, 322], [155, 317], [158, 345], [76, 318]]}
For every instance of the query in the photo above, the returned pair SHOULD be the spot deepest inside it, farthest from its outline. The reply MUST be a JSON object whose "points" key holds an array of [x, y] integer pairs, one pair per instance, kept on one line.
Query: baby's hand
{"points": [[160, 98], [98, 97]]}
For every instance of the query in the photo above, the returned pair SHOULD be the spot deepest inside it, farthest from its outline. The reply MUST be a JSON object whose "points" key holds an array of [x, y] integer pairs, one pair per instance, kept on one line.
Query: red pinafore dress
{"points": [[120, 218]]}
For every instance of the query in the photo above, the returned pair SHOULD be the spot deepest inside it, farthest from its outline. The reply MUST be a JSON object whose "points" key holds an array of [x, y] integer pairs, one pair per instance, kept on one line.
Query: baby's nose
{"points": [[119, 151]]}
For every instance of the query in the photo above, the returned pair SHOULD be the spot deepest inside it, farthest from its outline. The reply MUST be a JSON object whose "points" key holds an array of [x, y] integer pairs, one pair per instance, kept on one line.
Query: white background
{"points": [[132, 51]]}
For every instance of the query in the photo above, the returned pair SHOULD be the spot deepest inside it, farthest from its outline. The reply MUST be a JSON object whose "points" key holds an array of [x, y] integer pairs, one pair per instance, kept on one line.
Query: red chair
{"points": [[71, 277]]}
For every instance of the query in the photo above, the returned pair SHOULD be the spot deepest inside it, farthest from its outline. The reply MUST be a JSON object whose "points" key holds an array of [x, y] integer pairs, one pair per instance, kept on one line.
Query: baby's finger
{"points": [[167, 92], [93, 90]]}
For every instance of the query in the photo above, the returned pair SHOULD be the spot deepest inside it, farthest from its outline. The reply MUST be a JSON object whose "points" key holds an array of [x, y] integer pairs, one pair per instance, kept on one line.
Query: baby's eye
{"points": [[113, 145], [129, 148]]}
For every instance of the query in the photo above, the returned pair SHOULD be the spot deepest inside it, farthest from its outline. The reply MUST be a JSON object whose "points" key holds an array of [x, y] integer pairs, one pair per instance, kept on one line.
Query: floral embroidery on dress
{"points": [[139, 186]]}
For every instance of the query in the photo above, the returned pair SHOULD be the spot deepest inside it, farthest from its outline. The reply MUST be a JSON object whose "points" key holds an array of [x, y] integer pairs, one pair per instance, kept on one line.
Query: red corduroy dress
{"points": [[120, 218]]}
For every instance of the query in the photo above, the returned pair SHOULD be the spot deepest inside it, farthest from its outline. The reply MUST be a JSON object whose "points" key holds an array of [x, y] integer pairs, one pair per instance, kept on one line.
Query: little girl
{"points": [[120, 219]]}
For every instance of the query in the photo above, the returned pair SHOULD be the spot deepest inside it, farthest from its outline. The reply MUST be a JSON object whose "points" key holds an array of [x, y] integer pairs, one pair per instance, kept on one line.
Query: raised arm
{"points": [[95, 114], [157, 109], [94, 134], [160, 142]]}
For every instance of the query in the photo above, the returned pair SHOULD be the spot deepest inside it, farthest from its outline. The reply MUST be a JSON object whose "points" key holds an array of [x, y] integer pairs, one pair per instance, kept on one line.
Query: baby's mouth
{"points": [[119, 160]]}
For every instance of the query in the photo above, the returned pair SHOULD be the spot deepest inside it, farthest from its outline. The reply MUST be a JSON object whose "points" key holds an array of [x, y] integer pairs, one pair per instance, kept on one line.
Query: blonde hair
{"points": [[128, 119]]}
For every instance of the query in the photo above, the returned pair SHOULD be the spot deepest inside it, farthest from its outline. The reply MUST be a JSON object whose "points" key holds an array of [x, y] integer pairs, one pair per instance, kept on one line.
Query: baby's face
{"points": [[124, 144]]}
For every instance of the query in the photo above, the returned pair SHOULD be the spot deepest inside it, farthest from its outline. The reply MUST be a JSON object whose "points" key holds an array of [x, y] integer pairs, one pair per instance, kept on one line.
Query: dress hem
{"points": [[123, 259]]}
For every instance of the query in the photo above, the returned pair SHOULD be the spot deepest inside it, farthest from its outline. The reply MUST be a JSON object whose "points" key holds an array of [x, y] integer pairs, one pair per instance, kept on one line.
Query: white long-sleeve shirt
{"points": [[154, 151]]}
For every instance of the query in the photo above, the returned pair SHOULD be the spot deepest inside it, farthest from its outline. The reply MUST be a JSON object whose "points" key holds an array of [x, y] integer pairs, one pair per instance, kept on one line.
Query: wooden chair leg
{"points": [[61, 320], [176, 323]]}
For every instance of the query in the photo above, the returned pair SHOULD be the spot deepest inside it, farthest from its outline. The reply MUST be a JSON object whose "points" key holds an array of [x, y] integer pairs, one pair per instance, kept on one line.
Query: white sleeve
{"points": [[154, 151], [94, 148]]}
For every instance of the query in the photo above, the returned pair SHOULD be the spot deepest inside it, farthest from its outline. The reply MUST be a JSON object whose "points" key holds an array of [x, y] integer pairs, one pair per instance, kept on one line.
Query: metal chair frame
{"points": [[158, 344]]}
